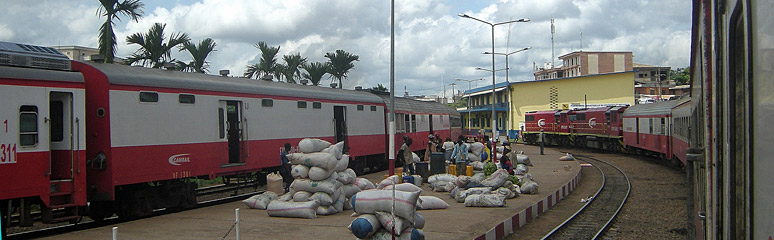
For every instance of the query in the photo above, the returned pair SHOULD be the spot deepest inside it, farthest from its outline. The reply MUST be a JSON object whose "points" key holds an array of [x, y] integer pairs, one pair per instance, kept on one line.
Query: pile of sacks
{"points": [[322, 183], [484, 191], [521, 169], [375, 219]]}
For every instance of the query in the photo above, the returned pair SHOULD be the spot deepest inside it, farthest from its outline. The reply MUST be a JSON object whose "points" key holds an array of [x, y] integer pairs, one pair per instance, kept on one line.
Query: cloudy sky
{"points": [[433, 45]]}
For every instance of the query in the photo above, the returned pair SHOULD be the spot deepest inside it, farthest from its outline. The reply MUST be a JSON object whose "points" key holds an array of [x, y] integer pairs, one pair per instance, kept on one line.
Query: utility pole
{"points": [[552, 43]]}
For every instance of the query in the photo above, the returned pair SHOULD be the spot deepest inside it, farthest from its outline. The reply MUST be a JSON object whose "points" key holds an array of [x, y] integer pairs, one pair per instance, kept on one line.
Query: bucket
{"points": [[408, 179], [469, 171], [453, 169]]}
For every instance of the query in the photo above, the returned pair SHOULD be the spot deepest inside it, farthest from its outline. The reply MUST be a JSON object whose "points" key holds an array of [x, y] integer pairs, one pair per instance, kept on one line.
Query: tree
{"points": [[681, 76], [111, 9], [379, 88], [291, 70], [340, 63], [267, 64], [314, 72], [153, 51], [199, 54], [459, 103]]}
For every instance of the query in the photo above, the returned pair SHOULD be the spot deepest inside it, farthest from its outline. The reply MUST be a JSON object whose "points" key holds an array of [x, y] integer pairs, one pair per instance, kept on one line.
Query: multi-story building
{"points": [[77, 52], [579, 63]]}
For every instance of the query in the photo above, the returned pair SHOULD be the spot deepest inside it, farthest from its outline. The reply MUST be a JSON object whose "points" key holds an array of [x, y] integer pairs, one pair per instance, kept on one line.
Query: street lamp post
{"points": [[494, 116], [494, 100], [507, 85], [469, 81]]}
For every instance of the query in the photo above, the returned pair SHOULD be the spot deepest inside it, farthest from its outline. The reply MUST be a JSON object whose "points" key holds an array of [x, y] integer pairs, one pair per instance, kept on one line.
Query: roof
{"points": [[488, 88], [410, 105], [648, 109], [12, 72], [585, 52], [150, 77]]}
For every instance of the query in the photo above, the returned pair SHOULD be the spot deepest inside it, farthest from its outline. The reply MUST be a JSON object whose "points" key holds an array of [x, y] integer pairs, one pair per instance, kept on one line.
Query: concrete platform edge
{"points": [[510, 225]]}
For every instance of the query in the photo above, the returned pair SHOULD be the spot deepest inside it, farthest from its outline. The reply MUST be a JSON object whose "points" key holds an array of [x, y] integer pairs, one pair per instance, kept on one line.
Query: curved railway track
{"points": [[227, 192], [591, 221]]}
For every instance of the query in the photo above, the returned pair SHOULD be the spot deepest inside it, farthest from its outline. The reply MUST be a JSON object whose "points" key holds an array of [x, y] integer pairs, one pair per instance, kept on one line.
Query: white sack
{"points": [[349, 190], [318, 173], [406, 187], [315, 159], [278, 208], [474, 157], [308, 145], [347, 176], [342, 164], [496, 179], [445, 177], [442, 186], [323, 198], [523, 159], [381, 200], [300, 171], [260, 201], [326, 210], [476, 148], [416, 157], [301, 196], [388, 222], [431, 202], [529, 187], [364, 184], [388, 181], [485, 200], [462, 195], [326, 186]]}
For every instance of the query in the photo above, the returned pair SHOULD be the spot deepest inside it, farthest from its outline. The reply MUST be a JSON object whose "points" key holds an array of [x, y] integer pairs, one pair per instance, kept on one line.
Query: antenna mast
{"points": [[553, 30]]}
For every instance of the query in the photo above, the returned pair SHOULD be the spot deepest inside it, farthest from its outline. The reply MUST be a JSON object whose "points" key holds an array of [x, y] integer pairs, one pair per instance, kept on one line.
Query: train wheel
{"points": [[99, 210]]}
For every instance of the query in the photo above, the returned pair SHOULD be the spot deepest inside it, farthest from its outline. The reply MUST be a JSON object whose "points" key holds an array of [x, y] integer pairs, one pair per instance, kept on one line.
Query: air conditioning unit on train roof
{"points": [[23, 55]]}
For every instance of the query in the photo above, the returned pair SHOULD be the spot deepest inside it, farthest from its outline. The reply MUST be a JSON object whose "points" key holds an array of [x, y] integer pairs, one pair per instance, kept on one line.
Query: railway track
{"points": [[227, 192], [591, 221]]}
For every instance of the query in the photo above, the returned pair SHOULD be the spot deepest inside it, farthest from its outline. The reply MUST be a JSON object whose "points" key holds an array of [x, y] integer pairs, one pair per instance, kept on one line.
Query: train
{"points": [[654, 129], [95, 139]]}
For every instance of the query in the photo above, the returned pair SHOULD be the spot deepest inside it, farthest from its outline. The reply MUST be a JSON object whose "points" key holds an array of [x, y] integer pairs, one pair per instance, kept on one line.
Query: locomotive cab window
{"points": [[149, 97], [530, 118], [28, 126], [186, 98]]}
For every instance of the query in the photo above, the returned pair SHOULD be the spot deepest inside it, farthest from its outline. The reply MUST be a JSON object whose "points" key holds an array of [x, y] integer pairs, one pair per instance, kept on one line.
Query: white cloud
{"points": [[431, 41]]}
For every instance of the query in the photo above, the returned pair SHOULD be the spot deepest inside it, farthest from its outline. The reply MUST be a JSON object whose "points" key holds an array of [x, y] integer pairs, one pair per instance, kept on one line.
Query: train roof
{"points": [[657, 108], [13, 72], [150, 77], [416, 106]]}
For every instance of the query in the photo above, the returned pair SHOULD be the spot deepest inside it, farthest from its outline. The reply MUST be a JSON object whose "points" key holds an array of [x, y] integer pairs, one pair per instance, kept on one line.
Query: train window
{"points": [[316, 105], [530, 118], [221, 123], [373, 108], [186, 98], [56, 110], [267, 102], [149, 97], [360, 107], [28, 126], [301, 104]]}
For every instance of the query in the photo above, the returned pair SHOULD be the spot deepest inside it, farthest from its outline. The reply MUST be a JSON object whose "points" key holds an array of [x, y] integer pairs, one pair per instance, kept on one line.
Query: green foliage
{"points": [[268, 63], [153, 50], [379, 88], [458, 104], [489, 168], [199, 54], [111, 9], [314, 72], [340, 63], [515, 180], [681, 76], [291, 70]]}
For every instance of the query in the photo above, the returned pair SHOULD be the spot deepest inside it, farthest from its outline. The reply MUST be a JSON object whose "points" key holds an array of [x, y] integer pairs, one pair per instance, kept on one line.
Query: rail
{"points": [[593, 219]]}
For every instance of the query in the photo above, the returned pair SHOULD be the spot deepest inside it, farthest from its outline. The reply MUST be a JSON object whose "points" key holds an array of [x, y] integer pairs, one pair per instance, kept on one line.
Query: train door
{"points": [[340, 123], [61, 125], [431, 124], [232, 112]]}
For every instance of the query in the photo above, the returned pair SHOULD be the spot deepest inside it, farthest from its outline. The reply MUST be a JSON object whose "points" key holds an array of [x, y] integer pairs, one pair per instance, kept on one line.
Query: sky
{"points": [[433, 45]]}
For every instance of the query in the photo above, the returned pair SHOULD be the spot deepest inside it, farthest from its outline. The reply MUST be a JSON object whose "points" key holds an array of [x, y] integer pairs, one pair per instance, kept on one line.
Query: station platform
{"points": [[556, 179]]}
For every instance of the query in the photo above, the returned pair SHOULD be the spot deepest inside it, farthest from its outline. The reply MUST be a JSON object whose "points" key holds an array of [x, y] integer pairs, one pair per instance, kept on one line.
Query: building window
{"points": [[317, 105], [28, 126], [301, 104], [267, 102], [149, 97], [186, 98]]}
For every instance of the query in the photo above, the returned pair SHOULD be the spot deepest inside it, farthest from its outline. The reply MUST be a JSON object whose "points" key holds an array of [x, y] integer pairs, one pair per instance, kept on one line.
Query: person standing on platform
{"points": [[460, 156], [431, 147], [287, 178], [448, 147], [408, 157]]}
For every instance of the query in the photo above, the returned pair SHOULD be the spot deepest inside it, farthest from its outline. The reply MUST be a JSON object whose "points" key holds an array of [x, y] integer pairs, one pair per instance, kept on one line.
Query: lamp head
{"points": [[463, 15]]}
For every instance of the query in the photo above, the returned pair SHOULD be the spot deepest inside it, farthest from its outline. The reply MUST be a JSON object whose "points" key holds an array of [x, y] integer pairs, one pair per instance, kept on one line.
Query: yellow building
{"points": [[609, 88]]}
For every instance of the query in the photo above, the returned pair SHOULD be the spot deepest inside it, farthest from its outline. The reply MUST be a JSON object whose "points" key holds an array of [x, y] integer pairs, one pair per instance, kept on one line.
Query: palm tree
{"points": [[340, 63], [267, 64], [111, 9], [199, 53], [153, 51], [291, 69], [314, 72]]}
